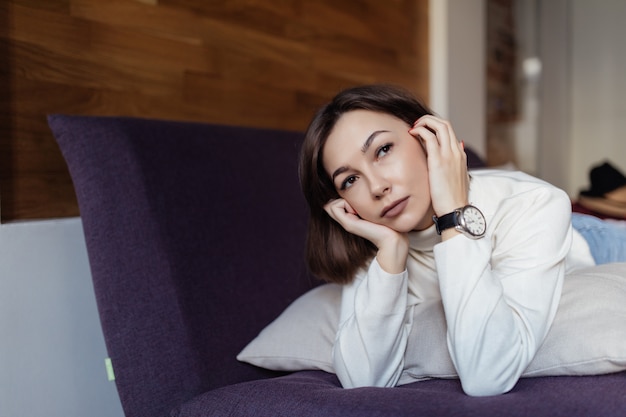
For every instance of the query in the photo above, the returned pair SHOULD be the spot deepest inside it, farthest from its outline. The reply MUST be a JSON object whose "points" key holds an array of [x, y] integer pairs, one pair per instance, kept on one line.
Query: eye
{"points": [[348, 182], [383, 150]]}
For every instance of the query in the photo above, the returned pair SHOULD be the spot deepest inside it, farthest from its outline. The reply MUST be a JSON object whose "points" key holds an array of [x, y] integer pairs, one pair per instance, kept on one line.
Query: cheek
{"points": [[361, 206], [416, 169]]}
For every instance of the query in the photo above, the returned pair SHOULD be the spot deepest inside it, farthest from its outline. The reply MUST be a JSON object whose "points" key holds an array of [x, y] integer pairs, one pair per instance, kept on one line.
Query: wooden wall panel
{"points": [[263, 63]]}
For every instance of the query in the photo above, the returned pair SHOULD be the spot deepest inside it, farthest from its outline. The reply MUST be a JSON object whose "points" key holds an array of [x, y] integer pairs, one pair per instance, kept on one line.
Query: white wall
{"points": [[526, 129], [51, 345], [581, 107], [598, 87], [457, 67], [554, 145], [584, 89]]}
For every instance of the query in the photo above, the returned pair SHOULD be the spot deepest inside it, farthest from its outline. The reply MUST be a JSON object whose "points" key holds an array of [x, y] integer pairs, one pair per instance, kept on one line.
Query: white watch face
{"points": [[474, 221]]}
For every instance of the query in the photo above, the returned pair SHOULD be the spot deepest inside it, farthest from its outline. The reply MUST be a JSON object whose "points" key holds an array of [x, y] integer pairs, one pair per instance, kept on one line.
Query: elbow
{"points": [[484, 384], [365, 379], [491, 378], [493, 372], [356, 366], [483, 389], [360, 381], [364, 374]]}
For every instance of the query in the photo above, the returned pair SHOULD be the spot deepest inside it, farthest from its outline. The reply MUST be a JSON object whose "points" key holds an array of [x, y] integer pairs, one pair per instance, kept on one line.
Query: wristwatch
{"points": [[467, 220]]}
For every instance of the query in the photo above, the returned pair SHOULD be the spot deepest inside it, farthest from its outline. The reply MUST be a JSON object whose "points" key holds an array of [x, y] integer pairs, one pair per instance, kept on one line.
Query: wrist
{"points": [[467, 220], [442, 210], [393, 252], [449, 234]]}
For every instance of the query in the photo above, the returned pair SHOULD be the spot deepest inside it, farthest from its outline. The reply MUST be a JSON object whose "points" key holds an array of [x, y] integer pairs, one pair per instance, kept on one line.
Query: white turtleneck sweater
{"points": [[499, 293]]}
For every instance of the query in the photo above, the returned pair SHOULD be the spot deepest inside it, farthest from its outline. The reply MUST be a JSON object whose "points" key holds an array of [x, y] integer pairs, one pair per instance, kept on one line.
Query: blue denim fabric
{"points": [[607, 241]]}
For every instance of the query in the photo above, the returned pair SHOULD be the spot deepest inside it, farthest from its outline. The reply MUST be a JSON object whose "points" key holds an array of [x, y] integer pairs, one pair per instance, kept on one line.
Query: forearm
{"points": [[492, 336], [373, 332]]}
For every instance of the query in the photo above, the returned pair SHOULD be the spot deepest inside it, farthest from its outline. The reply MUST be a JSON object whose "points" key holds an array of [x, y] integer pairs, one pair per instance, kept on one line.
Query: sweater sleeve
{"points": [[500, 293], [373, 329]]}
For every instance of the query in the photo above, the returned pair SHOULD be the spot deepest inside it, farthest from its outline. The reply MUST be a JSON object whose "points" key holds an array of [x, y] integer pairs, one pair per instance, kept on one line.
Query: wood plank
{"points": [[259, 63]]}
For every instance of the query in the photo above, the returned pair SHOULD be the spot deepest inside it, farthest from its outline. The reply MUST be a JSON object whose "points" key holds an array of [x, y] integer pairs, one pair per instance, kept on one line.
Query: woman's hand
{"points": [[447, 164], [393, 247]]}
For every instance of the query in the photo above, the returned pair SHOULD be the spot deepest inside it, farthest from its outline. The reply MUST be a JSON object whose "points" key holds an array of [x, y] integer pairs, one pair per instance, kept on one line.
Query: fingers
{"points": [[344, 214], [447, 163], [340, 211], [336, 208], [436, 133], [439, 140]]}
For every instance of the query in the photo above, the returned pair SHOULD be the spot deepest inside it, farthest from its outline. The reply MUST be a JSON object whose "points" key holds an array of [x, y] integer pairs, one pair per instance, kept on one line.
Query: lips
{"points": [[395, 208]]}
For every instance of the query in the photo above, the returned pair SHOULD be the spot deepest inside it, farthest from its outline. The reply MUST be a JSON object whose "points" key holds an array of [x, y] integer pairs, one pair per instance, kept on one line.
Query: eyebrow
{"points": [[364, 148], [370, 139]]}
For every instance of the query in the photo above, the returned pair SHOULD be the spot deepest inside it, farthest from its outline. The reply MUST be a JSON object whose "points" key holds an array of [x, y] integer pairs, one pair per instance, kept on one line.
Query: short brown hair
{"points": [[332, 253]]}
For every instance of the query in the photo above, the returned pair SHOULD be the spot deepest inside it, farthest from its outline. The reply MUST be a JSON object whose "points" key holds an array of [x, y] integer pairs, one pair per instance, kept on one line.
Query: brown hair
{"points": [[332, 253]]}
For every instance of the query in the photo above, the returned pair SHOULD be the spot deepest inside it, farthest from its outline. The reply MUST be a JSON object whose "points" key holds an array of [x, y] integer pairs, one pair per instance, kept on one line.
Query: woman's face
{"points": [[380, 170]]}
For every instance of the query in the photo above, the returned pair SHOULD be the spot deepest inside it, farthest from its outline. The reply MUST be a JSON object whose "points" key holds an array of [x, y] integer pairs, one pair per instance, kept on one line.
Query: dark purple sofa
{"points": [[195, 236]]}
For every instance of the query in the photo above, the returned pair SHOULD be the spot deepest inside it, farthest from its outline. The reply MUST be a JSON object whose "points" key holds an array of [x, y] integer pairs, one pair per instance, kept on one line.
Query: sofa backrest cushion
{"points": [[195, 237]]}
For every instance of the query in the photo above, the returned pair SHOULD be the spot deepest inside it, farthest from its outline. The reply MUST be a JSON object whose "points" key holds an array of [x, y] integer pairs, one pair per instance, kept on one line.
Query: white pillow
{"points": [[588, 335]]}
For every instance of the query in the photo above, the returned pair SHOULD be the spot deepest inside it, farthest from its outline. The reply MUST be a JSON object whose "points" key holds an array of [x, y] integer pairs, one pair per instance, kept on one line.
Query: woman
{"points": [[395, 217]]}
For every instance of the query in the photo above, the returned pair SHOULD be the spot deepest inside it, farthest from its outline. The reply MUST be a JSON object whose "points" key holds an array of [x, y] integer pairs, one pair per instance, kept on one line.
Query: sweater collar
{"points": [[424, 240]]}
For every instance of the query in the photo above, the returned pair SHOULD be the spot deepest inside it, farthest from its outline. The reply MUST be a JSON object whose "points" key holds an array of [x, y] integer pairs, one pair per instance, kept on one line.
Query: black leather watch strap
{"points": [[447, 221]]}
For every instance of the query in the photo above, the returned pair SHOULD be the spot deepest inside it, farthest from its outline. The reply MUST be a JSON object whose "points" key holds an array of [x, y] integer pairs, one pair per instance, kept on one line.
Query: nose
{"points": [[379, 186]]}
